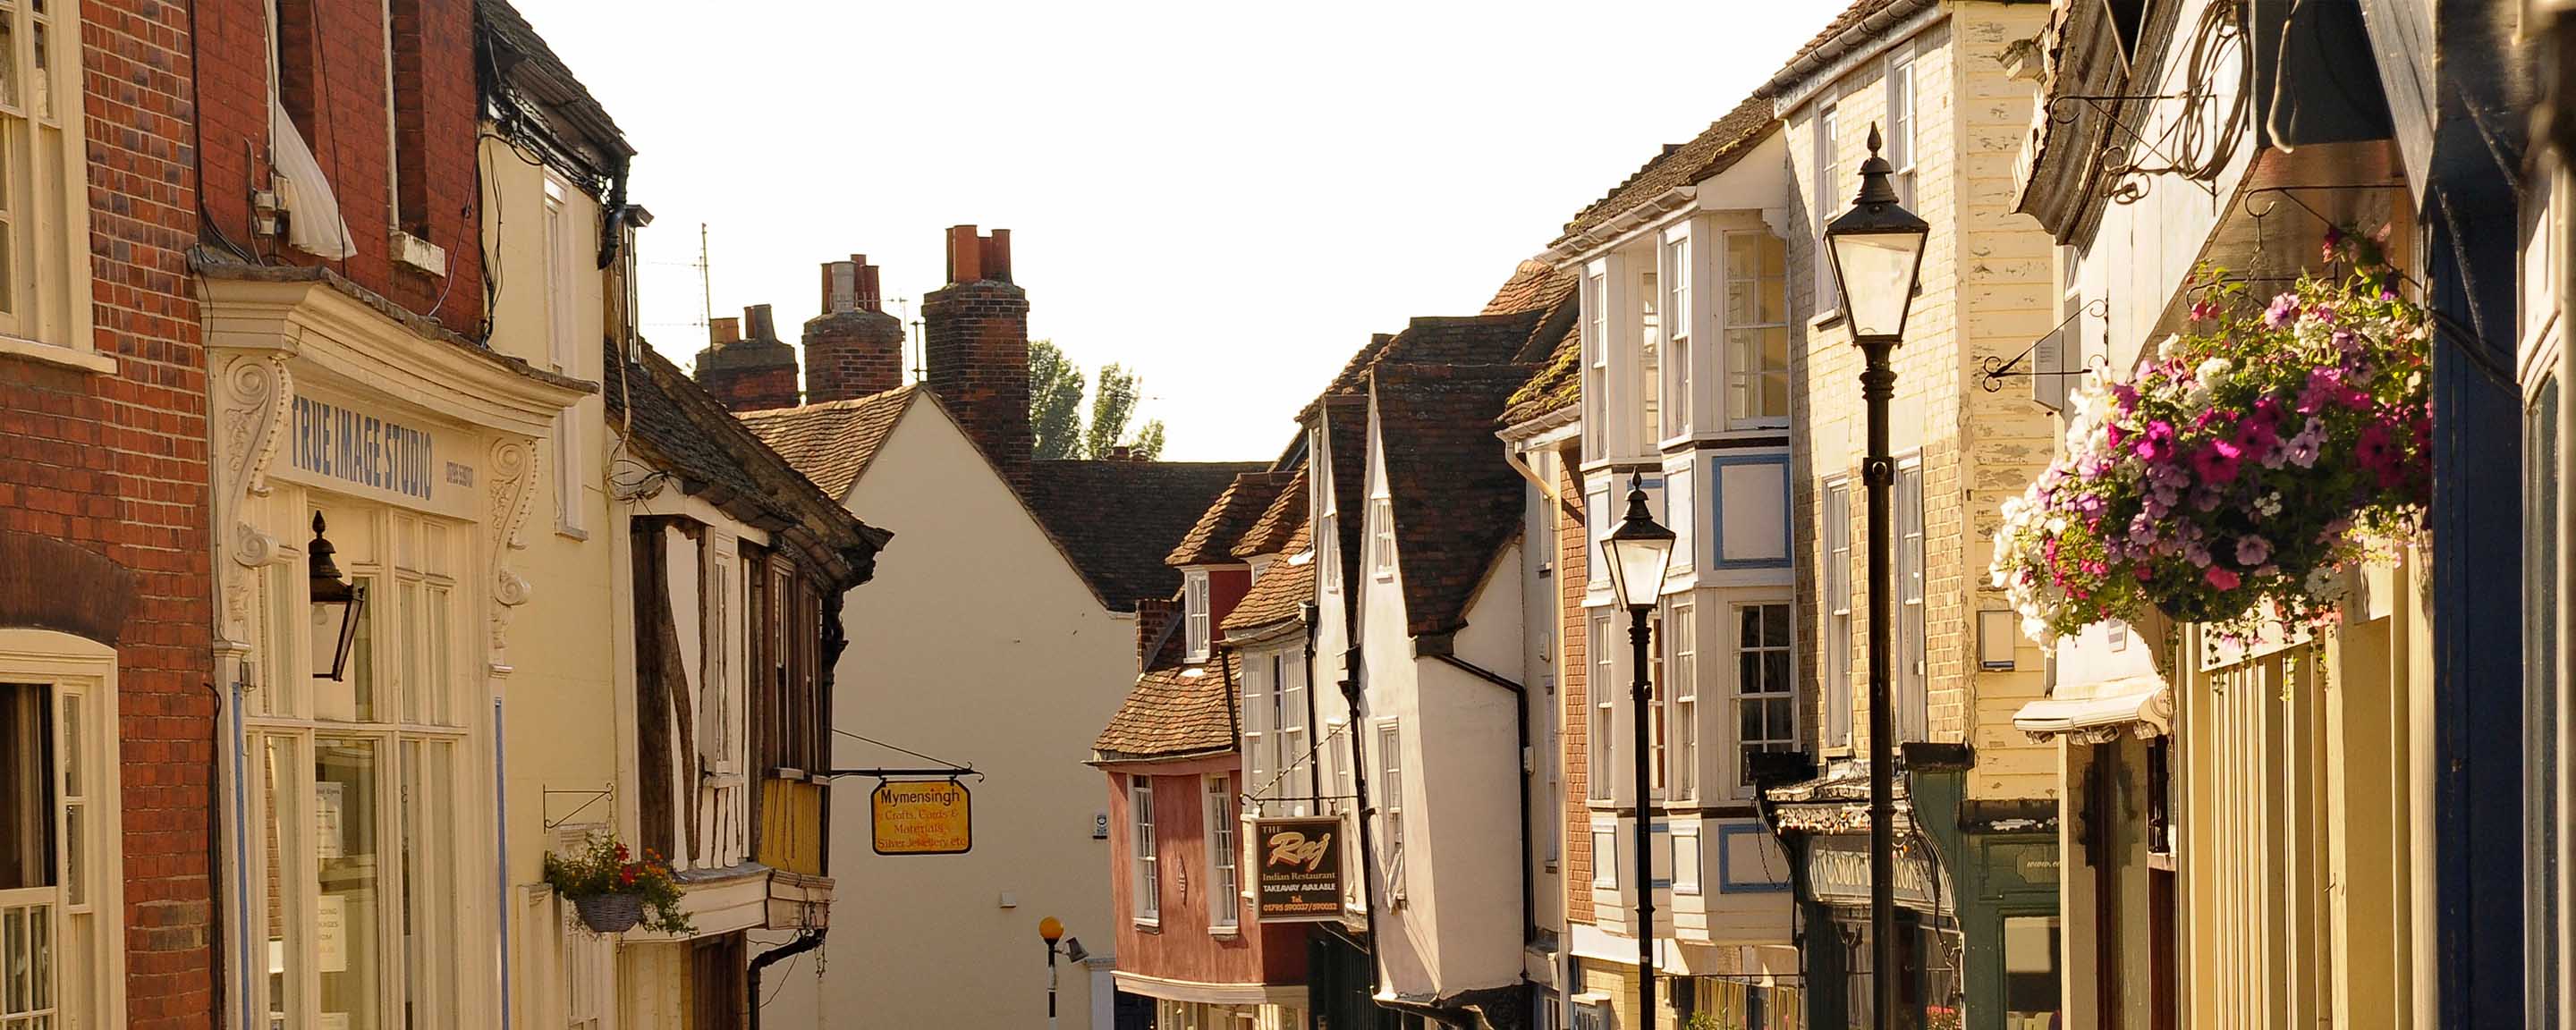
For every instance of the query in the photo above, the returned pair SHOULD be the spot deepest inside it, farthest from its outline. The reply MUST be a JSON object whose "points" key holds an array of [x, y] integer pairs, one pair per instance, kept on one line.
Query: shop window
{"points": [[361, 830]]}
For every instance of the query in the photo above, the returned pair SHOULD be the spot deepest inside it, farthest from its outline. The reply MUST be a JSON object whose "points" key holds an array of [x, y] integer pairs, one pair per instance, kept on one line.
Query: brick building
{"points": [[108, 698]]}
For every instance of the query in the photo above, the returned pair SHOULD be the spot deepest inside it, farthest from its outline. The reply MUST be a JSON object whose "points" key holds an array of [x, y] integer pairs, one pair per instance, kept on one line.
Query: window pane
{"points": [[412, 679], [26, 786], [345, 919], [75, 854], [429, 883], [285, 897]]}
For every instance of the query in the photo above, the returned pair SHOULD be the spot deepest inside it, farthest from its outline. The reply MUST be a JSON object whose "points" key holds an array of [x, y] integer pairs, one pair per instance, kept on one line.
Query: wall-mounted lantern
{"points": [[335, 635]]}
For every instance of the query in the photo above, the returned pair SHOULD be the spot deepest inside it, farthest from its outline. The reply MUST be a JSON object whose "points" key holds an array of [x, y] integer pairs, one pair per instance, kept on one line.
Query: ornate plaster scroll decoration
{"points": [[512, 469], [253, 399]]}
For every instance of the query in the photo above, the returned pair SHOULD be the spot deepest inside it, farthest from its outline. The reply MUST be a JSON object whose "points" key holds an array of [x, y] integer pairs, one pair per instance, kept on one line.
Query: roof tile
{"points": [[1211, 541], [1173, 713], [1284, 586], [832, 441], [1726, 141], [1118, 519]]}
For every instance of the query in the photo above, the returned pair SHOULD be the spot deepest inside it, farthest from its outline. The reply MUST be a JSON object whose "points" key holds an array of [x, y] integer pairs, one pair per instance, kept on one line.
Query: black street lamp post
{"points": [[1877, 253], [1637, 553]]}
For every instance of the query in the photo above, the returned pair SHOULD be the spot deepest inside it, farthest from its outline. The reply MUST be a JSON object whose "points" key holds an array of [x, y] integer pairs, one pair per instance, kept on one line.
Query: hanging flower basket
{"points": [[614, 893], [2242, 470], [610, 913]]}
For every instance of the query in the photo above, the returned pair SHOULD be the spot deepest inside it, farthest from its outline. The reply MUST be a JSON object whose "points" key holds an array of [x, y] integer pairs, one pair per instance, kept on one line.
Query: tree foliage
{"points": [[1055, 402], [1056, 417]]}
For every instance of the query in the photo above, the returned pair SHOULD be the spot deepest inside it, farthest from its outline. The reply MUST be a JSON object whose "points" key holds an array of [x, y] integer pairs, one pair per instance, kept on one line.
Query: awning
{"points": [[2138, 705]]}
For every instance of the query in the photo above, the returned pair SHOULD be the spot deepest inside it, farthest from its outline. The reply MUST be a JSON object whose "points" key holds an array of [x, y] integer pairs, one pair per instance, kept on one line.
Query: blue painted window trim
{"points": [[1726, 881], [1716, 505]]}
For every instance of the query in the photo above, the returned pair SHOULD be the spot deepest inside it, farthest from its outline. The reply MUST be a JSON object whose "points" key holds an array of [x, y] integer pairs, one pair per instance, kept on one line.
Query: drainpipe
{"points": [[1520, 715], [806, 940], [1351, 673]]}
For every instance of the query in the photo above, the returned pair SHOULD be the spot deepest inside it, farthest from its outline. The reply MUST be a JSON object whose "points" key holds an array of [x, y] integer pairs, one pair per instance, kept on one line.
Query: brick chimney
{"points": [[852, 349], [975, 344], [745, 366], [1154, 618]]}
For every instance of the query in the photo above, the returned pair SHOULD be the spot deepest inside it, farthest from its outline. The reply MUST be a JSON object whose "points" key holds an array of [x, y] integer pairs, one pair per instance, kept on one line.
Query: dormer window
{"points": [[1194, 618]]}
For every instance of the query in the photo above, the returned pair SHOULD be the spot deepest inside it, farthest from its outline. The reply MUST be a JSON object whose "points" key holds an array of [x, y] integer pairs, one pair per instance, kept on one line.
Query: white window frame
{"points": [[1290, 729], [571, 468], [1603, 733], [1596, 360], [1598, 517], [1390, 757], [1679, 403], [44, 198], [1146, 855], [1224, 857], [1913, 652], [1782, 695], [1646, 293], [1679, 517], [563, 279], [1748, 367], [1835, 685], [1194, 614], [1904, 122], [1257, 691], [1681, 639], [1382, 537], [86, 902], [1829, 198], [1657, 740]]}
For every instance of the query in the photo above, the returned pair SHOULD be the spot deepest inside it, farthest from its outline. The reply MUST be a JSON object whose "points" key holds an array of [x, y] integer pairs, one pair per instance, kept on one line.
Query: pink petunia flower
{"points": [[2217, 462], [2221, 578]]}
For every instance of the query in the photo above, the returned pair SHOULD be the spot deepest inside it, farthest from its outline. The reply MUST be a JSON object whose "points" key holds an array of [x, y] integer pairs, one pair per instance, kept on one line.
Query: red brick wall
{"points": [[115, 464], [348, 134], [1574, 664], [975, 348], [759, 388], [850, 354]]}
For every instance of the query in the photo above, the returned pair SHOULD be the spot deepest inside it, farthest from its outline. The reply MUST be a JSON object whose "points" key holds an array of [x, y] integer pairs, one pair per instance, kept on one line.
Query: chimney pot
{"points": [[756, 324], [722, 331], [965, 254], [975, 343]]}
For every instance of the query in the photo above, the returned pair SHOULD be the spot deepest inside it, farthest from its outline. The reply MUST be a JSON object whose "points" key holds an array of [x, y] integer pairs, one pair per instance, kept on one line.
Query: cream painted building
{"points": [[1938, 81], [999, 635]]}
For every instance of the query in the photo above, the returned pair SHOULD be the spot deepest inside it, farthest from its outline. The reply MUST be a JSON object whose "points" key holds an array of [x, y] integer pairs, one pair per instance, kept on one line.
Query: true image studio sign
{"points": [[1297, 870]]}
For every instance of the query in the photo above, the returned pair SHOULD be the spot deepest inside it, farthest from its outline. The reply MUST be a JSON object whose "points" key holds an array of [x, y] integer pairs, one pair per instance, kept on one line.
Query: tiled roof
{"points": [[1823, 45], [1556, 387], [1118, 519], [832, 442], [1226, 519], [1285, 516], [1534, 286], [1172, 713], [1284, 585], [1456, 501], [531, 68], [1726, 141], [677, 428]]}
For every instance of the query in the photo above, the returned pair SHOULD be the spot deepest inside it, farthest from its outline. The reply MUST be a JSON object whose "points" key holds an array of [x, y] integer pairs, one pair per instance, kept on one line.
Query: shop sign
{"points": [[921, 817], [1297, 870], [352, 447], [1838, 872]]}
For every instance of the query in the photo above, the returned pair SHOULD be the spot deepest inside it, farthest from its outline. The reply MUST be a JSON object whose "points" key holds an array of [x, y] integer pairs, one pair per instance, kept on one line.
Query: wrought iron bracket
{"points": [[1997, 370]]}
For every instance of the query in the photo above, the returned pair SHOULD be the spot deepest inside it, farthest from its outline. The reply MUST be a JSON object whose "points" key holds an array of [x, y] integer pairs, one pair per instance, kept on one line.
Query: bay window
{"points": [[1682, 639], [360, 785], [1256, 719], [1222, 868], [1656, 690], [1596, 360], [1650, 342], [1757, 330], [1765, 690], [1294, 764], [1677, 279], [1603, 732]]}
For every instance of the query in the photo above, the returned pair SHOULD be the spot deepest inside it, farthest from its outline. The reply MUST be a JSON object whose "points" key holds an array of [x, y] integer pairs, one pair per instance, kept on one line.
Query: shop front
{"points": [[373, 474]]}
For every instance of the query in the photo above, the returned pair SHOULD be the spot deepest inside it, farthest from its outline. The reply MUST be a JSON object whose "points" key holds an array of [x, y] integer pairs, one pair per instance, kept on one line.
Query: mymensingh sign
{"points": [[352, 446], [1297, 870], [921, 817]]}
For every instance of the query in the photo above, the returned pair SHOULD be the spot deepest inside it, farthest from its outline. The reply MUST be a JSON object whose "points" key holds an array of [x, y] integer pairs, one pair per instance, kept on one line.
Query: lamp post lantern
{"points": [[1877, 254], [339, 606], [1050, 930], [1637, 553]]}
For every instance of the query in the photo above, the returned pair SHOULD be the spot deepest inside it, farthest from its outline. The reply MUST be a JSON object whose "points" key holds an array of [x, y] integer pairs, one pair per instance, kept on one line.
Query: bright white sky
{"points": [[1225, 197]]}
